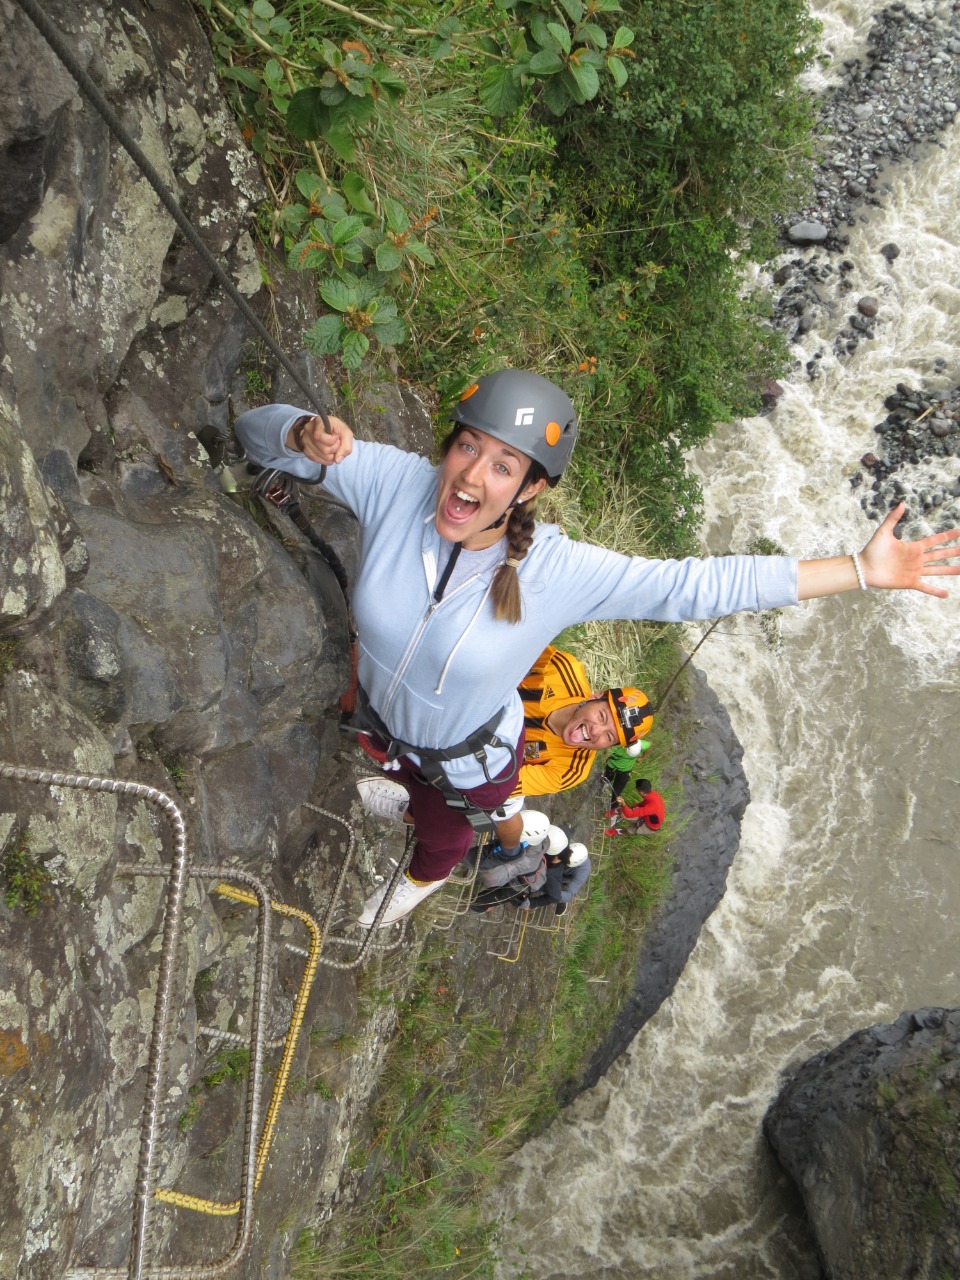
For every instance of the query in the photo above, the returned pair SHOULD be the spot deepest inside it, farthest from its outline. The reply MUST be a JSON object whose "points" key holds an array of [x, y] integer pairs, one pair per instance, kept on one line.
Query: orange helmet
{"points": [[632, 714]]}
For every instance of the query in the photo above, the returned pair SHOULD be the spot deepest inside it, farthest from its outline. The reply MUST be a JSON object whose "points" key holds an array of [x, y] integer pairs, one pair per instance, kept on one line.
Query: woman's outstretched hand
{"points": [[887, 562], [318, 444], [895, 564]]}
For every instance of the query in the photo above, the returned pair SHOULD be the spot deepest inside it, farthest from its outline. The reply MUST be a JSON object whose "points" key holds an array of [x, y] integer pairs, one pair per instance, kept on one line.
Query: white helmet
{"points": [[636, 748], [535, 826], [558, 841], [578, 854]]}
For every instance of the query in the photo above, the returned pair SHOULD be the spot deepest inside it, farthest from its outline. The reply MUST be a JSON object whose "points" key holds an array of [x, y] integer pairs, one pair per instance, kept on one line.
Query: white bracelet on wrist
{"points": [[854, 556]]}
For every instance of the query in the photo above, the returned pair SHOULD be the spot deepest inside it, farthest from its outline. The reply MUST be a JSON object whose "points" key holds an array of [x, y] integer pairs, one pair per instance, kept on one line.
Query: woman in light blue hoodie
{"points": [[458, 589]]}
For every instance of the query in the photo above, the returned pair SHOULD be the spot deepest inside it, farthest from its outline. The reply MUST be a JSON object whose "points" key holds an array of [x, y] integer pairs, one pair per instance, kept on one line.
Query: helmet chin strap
{"points": [[515, 501], [458, 546]]}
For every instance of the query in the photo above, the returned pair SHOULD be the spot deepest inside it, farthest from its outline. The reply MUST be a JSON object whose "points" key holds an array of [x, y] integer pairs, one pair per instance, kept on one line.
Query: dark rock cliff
{"points": [[870, 1133], [150, 631], [716, 796]]}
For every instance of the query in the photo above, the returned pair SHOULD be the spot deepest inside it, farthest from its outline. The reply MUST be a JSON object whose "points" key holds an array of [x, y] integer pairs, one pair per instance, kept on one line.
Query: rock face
{"points": [[870, 1133], [149, 630]]}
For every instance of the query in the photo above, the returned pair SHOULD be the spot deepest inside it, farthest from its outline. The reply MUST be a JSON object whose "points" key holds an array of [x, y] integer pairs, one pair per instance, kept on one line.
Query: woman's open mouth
{"points": [[460, 506]]}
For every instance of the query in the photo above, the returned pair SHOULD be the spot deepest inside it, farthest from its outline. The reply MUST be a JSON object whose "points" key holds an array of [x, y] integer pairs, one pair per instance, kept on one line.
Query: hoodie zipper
{"points": [[414, 643]]}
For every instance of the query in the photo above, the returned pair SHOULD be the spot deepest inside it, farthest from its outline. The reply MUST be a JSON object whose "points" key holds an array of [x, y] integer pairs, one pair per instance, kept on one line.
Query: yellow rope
{"points": [[217, 1207]]}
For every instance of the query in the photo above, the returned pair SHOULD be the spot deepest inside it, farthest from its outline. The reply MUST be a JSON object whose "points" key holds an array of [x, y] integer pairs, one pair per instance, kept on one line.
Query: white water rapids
{"points": [[843, 902]]}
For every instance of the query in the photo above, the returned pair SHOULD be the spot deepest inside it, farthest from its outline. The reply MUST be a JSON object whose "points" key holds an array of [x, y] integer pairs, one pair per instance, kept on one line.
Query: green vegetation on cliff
{"points": [[573, 187]]}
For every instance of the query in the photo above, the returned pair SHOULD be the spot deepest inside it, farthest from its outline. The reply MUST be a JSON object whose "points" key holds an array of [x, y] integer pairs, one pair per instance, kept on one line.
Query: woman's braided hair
{"points": [[505, 591]]}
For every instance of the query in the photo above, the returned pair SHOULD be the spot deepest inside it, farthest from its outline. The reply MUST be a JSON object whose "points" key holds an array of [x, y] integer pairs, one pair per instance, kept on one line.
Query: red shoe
{"points": [[611, 813], [613, 831]]}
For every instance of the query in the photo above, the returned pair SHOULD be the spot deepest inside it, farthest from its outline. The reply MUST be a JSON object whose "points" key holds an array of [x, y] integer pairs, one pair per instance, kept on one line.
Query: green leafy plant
{"points": [[369, 255], [8, 653], [26, 881], [205, 981], [351, 82], [561, 48], [190, 1113], [360, 312]]}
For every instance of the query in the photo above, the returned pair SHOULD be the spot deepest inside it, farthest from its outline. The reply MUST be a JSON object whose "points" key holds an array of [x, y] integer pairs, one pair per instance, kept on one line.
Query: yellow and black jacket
{"points": [[556, 680]]}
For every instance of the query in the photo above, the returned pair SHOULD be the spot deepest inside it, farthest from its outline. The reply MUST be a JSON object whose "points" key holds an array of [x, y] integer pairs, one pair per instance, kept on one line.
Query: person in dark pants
{"points": [[567, 873], [617, 771]]}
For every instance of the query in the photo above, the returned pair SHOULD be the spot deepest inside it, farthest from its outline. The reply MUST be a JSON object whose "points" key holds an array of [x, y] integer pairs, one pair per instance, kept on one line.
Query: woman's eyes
{"points": [[470, 448]]}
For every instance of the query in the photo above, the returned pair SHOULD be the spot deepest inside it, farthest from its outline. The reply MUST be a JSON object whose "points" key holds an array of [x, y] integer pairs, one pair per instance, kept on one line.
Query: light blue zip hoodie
{"points": [[435, 672]]}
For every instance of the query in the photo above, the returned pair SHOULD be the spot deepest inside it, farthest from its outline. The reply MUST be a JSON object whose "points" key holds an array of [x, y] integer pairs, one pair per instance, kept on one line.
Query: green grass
{"points": [[231, 1064], [190, 1113], [8, 656]]}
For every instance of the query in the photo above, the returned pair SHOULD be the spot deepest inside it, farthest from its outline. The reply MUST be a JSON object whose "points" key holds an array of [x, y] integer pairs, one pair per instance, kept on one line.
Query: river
{"points": [[843, 902]]}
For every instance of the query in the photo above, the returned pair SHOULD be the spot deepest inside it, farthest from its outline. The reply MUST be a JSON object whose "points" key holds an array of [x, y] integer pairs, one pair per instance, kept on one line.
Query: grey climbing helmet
{"points": [[525, 411]]}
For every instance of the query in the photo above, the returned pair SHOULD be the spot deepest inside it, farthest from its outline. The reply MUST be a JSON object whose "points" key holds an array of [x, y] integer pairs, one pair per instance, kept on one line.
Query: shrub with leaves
{"points": [[26, 881], [359, 314], [562, 48], [350, 82]]}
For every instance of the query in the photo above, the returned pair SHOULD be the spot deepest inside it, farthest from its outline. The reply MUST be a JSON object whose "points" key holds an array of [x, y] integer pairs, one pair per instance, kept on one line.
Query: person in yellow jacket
{"points": [[565, 725]]}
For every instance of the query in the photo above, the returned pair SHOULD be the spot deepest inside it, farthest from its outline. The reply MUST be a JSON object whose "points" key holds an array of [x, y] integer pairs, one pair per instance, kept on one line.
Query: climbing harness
{"points": [[279, 488], [366, 721]]}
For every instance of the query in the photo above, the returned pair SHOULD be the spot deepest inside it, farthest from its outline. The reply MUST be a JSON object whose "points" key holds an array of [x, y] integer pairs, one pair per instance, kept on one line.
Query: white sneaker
{"points": [[406, 896], [383, 797]]}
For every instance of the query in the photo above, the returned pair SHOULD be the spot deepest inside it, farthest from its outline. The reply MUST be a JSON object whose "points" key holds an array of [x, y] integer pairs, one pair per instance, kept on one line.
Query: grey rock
{"points": [[705, 849], [34, 89], [868, 306], [807, 232], [32, 569], [869, 1133]]}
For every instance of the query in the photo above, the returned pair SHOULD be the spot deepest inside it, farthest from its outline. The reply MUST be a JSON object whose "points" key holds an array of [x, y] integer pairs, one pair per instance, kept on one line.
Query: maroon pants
{"points": [[444, 836]]}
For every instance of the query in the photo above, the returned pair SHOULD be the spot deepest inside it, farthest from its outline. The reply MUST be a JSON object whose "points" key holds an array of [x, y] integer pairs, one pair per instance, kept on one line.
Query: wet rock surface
{"points": [[150, 630], [916, 459], [870, 1134], [716, 797]]}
